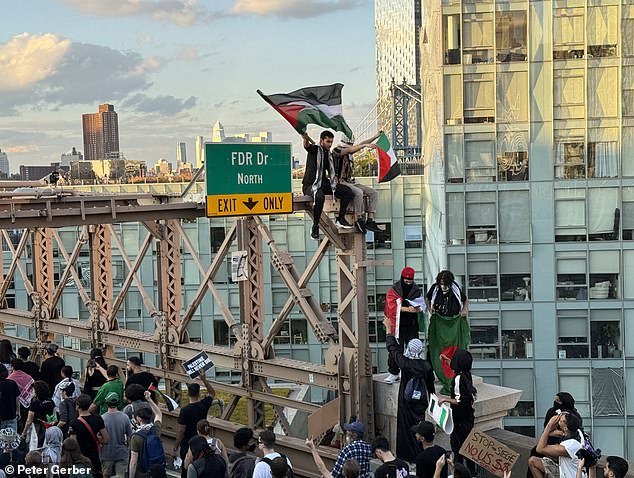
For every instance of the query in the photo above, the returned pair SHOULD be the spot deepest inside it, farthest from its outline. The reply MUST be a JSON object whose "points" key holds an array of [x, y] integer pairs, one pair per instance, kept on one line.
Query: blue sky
{"points": [[172, 68]]}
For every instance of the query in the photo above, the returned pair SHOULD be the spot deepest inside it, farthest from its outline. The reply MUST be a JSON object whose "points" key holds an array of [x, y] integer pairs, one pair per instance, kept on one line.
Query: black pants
{"points": [[343, 193], [461, 430]]}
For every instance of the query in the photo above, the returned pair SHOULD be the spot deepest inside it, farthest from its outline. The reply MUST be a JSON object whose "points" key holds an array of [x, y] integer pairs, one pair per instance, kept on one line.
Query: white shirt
{"points": [[568, 464], [263, 470], [57, 395]]}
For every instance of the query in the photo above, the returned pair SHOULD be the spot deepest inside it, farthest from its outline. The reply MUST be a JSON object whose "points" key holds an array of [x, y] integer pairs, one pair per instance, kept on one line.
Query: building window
{"points": [[480, 157], [515, 276], [627, 93], [603, 214], [512, 156], [481, 217], [603, 92], [627, 29], [517, 334], [221, 333], [604, 275], [483, 278], [572, 283], [603, 31], [570, 215], [605, 333], [510, 36], [413, 236], [608, 396], [627, 213], [455, 217], [521, 379], [453, 99], [217, 236], [479, 98], [477, 38], [576, 381], [512, 97], [485, 342], [603, 159], [570, 160], [454, 158], [514, 216], [572, 333], [568, 33], [569, 91], [380, 240], [451, 39]]}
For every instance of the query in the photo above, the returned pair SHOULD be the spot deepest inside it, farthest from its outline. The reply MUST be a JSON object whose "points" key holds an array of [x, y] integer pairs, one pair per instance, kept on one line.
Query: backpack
{"points": [[289, 470], [153, 453], [238, 468], [416, 391]]}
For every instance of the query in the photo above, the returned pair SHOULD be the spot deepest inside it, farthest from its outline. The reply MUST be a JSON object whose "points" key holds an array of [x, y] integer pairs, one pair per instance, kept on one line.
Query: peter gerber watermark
{"points": [[23, 470]]}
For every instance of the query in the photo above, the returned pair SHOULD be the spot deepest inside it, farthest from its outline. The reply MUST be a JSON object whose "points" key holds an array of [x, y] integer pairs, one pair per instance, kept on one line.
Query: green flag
{"points": [[446, 332]]}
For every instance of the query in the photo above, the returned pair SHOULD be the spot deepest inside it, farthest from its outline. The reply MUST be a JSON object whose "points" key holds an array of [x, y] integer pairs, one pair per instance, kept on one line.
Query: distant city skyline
{"points": [[170, 69]]}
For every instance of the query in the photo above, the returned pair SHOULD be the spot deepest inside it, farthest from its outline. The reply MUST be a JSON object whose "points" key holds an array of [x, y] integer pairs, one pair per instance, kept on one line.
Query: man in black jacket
{"points": [[241, 463], [320, 179]]}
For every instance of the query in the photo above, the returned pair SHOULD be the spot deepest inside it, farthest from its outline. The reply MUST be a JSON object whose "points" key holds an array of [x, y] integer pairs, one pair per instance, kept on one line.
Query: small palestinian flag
{"points": [[320, 105], [388, 164], [169, 401]]}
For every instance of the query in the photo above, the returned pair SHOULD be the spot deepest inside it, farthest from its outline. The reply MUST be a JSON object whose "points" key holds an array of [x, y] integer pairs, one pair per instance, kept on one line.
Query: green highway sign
{"points": [[248, 179]]}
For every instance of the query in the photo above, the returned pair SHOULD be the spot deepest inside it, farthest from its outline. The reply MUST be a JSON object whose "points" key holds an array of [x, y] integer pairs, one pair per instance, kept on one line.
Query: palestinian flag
{"points": [[320, 105], [388, 164], [445, 335], [169, 401]]}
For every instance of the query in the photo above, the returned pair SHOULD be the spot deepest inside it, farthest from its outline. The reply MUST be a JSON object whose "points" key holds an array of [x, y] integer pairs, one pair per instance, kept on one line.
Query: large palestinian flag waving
{"points": [[386, 159], [320, 105]]}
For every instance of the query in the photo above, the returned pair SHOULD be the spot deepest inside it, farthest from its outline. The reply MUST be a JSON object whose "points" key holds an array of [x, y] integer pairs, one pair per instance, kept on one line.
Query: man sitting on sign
{"points": [[448, 307]]}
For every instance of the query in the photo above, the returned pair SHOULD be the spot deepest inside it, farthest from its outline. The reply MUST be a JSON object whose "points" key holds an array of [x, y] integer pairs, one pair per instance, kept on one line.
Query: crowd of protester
{"points": [[105, 422]]}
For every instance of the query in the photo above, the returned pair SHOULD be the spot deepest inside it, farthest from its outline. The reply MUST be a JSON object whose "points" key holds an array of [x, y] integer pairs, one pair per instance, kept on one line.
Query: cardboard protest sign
{"points": [[198, 364], [488, 453]]}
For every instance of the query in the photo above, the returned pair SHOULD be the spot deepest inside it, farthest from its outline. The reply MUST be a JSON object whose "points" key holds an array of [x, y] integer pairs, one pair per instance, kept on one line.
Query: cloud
{"points": [[179, 12], [166, 105], [27, 59], [22, 148], [292, 8], [48, 72]]}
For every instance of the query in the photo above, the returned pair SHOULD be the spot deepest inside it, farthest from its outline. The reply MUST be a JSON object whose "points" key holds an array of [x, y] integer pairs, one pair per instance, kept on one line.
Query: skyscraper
{"points": [[4, 163], [397, 26], [181, 153], [70, 156], [101, 134], [217, 133], [200, 152], [529, 124]]}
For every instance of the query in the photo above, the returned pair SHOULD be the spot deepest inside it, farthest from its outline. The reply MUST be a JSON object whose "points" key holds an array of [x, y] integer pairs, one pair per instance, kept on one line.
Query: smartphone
{"points": [[448, 455]]}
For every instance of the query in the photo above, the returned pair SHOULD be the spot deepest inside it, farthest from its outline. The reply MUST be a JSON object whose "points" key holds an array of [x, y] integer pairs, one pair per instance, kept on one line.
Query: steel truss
{"points": [[346, 370]]}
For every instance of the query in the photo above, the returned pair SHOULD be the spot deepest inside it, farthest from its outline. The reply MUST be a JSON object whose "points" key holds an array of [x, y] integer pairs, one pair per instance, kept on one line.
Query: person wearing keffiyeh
{"points": [[320, 180]]}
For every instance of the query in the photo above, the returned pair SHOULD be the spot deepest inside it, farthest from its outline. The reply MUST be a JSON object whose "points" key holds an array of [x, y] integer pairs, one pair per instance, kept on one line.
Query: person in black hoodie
{"points": [[403, 315], [463, 396], [410, 411], [241, 463]]}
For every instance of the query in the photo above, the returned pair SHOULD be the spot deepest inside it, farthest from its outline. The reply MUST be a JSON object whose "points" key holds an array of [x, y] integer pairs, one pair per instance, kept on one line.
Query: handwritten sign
{"points": [[488, 453], [198, 364]]}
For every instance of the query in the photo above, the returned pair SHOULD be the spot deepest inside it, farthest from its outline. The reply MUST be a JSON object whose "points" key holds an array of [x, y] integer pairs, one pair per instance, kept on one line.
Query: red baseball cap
{"points": [[407, 273]]}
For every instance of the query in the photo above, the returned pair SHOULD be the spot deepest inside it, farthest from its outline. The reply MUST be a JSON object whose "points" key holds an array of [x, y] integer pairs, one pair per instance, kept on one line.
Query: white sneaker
{"points": [[391, 378]]}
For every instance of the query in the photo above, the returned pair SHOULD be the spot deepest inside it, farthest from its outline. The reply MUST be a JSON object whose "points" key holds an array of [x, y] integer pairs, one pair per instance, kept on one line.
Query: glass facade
{"points": [[531, 177]]}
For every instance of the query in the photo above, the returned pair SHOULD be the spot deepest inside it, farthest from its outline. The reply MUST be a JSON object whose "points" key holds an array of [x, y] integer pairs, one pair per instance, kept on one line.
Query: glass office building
{"points": [[529, 192]]}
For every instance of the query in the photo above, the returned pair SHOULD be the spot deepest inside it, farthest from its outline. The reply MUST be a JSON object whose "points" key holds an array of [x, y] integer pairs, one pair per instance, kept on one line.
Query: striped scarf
{"points": [[320, 171]]}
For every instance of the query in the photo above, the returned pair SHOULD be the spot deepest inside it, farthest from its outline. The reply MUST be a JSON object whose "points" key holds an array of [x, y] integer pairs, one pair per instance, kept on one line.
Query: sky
{"points": [[172, 68]]}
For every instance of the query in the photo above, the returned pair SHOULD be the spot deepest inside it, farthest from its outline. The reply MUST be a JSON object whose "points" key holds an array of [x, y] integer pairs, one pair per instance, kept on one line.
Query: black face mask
{"points": [[557, 406], [252, 448], [406, 288]]}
